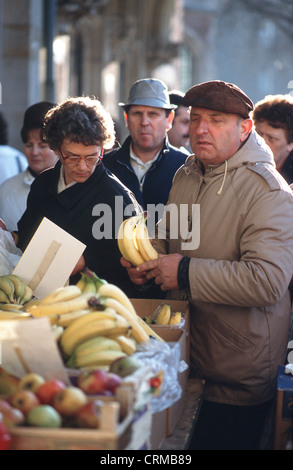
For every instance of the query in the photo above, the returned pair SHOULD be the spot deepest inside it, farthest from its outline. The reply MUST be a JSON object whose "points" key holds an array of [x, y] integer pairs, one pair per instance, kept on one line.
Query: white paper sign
{"points": [[49, 258], [30, 346]]}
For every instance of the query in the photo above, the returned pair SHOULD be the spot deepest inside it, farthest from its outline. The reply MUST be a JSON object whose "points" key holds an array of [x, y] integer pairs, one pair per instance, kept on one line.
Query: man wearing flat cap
{"points": [[146, 162], [236, 274]]}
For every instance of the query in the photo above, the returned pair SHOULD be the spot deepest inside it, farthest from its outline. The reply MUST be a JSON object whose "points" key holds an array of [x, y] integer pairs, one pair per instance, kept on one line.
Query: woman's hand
{"points": [[80, 265]]}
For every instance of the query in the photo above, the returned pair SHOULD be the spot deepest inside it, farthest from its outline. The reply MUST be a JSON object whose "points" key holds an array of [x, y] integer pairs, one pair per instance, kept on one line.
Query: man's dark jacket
{"points": [[72, 210], [157, 181]]}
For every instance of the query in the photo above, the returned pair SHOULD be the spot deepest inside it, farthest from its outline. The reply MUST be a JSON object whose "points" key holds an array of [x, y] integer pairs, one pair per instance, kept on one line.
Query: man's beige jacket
{"points": [[240, 271]]}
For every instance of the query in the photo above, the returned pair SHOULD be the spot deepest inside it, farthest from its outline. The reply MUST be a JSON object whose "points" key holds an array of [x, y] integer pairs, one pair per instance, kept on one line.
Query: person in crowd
{"points": [[12, 161], [39, 156], [178, 135], [273, 120], [79, 194], [146, 162], [234, 262]]}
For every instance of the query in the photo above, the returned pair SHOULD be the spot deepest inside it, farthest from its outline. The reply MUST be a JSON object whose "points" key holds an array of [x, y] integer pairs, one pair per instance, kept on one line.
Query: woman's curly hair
{"points": [[82, 120], [277, 110]]}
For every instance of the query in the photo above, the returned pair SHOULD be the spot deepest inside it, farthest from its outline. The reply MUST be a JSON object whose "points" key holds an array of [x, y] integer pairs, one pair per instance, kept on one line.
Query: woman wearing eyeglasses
{"points": [[79, 194]]}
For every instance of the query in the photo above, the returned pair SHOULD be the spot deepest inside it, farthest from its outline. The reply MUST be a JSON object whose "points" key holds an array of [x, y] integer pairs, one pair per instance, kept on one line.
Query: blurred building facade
{"points": [[51, 49]]}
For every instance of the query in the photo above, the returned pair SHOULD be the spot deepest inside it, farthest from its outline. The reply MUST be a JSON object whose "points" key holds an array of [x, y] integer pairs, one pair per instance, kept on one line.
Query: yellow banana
{"points": [[131, 252], [89, 285], [164, 315], [61, 294], [7, 286], [98, 358], [9, 315], [67, 318], [175, 318], [92, 345], [71, 339], [92, 316], [110, 290], [13, 307], [120, 241], [28, 295], [145, 247], [137, 331], [59, 308], [149, 330], [127, 344], [19, 286]]}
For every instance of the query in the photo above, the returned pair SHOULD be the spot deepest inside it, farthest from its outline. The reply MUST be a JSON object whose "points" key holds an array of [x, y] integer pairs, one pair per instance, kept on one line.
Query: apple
{"points": [[69, 401], [44, 416], [114, 380], [93, 382], [11, 416], [24, 400], [47, 391], [89, 415], [31, 381], [124, 366], [8, 382]]}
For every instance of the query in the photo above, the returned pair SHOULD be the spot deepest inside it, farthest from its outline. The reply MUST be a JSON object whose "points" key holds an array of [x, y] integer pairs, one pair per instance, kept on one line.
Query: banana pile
{"points": [[164, 316], [133, 240], [93, 322], [14, 294]]}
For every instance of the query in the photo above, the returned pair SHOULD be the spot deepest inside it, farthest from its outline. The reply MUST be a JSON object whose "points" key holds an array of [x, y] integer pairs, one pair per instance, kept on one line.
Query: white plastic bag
{"points": [[9, 253]]}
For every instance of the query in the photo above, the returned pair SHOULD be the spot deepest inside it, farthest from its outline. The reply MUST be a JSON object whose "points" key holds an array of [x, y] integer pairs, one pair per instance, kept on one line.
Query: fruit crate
{"points": [[164, 423], [120, 429]]}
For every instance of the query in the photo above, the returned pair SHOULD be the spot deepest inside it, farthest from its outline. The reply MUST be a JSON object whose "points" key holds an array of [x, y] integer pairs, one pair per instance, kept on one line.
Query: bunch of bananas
{"points": [[96, 340], [164, 316], [13, 290], [133, 240], [14, 294]]}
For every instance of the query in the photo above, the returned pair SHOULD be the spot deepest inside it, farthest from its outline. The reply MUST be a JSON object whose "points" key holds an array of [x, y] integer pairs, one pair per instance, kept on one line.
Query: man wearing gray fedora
{"points": [[146, 162]]}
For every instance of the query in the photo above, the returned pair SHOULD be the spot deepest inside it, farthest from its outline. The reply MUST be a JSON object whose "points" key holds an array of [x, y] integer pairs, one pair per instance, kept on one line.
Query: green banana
{"points": [[7, 286], [28, 295], [4, 298], [19, 286]]}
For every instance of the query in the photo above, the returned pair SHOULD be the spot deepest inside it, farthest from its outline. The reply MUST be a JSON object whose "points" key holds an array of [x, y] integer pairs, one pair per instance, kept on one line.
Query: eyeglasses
{"points": [[91, 160]]}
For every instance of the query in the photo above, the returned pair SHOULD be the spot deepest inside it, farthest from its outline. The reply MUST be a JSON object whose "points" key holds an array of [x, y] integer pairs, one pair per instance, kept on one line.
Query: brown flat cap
{"points": [[220, 96]]}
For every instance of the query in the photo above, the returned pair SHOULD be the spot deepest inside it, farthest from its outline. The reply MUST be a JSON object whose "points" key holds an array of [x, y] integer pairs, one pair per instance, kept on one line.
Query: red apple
{"points": [[89, 415], [13, 417], [10, 416], [69, 401], [93, 382], [47, 391], [24, 400], [4, 405], [114, 380]]}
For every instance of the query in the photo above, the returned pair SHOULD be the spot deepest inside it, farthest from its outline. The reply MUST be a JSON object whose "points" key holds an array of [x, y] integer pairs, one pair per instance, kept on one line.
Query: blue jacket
{"points": [[157, 180]]}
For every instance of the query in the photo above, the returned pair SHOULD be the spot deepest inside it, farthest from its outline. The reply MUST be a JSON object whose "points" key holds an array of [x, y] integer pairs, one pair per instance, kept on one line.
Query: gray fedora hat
{"points": [[149, 92]]}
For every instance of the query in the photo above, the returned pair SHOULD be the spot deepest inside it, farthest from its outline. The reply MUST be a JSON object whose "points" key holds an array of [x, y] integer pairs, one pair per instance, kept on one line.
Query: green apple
{"points": [[124, 366], [44, 416], [31, 381], [69, 401]]}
